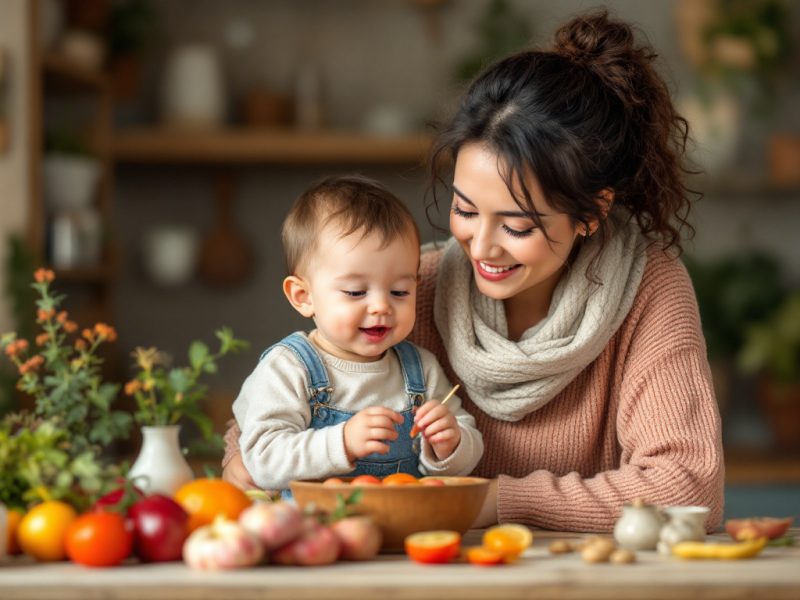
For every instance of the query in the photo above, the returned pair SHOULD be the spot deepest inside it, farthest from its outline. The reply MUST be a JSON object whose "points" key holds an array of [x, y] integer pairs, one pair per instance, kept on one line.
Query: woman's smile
{"points": [[495, 272]]}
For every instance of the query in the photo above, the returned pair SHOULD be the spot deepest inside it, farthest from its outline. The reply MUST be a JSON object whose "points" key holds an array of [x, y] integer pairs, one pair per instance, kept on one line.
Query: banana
{"points": [[694, 550]]}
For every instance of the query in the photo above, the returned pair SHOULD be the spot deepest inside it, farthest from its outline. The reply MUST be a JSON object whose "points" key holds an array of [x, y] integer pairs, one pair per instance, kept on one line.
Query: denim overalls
{"points": [[403, 455]]}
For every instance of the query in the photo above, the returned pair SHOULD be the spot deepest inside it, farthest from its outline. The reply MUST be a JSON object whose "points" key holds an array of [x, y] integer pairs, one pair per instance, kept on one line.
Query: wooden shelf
{"points": [[62, 73], [272, 146], [760, 467], [100, 274]]}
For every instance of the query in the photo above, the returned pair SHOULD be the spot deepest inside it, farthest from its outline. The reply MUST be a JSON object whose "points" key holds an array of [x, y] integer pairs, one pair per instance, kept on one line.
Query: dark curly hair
{"points": [[588, 115]]}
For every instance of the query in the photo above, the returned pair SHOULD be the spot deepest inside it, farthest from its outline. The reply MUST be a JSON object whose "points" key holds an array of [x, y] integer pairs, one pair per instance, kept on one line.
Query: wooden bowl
{"points": [[401, 510]]}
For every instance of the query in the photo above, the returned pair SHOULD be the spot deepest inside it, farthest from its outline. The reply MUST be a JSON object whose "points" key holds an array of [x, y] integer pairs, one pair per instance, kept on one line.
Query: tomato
{"points": [[14, 518], [432, 547], [41, 531], [206, 498], [400, 479], [99, 539], [478, 555], [508, 539], [756, 527], [365, 480]]}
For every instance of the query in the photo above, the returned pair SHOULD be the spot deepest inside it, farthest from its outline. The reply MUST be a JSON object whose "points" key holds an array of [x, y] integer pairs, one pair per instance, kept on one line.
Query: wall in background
{"points": [[14, 164]]}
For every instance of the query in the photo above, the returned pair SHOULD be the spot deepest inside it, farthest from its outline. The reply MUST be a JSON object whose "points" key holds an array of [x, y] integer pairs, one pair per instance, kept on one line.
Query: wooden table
{"points": [[775, 574]]}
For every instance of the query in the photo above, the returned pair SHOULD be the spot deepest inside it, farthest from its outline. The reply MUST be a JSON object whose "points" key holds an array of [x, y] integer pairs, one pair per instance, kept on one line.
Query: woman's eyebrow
{"points": [[529, 214]]}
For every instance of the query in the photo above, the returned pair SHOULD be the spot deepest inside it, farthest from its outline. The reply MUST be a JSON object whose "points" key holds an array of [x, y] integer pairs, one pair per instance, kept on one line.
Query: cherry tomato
{"points": [[432, 547], [99, 539]]}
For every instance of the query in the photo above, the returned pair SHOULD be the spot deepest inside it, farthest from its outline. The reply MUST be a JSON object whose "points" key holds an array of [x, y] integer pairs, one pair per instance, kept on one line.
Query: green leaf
{"points": [[198, 354]]}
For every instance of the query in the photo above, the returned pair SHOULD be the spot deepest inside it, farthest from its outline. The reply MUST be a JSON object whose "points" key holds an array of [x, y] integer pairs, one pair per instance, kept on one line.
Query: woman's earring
{"points": [[587, 233]]}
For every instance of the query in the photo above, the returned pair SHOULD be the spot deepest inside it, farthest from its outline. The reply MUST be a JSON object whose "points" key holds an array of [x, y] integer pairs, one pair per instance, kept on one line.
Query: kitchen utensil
{"points": [[226, 258]]}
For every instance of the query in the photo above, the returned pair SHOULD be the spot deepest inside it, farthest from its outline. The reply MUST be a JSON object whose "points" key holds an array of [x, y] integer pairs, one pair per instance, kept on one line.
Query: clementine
{"points": [[206, 498], [400, 479], [509, 539]]}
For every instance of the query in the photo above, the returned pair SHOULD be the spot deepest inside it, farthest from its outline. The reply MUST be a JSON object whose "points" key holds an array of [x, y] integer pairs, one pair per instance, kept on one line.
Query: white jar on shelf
{"points": [[193, 92]]}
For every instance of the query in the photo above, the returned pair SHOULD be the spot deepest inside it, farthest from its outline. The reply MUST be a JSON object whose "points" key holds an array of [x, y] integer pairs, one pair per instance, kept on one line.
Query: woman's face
{"points": [[510, 255]]}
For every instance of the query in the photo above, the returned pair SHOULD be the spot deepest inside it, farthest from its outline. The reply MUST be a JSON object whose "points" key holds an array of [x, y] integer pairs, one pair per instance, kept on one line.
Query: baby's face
{"points": [[364, 295]]}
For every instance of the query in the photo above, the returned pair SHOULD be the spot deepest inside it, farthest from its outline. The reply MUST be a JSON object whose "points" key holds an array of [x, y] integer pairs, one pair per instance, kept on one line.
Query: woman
{"points": [[560, 304]]}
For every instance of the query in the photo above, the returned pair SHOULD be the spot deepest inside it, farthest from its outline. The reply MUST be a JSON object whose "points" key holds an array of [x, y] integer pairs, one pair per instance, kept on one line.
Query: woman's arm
{"points": [[667, 425]]}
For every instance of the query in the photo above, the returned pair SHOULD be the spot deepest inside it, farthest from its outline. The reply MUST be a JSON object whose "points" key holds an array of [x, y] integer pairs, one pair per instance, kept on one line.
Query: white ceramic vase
{"points": [[160, 467]]}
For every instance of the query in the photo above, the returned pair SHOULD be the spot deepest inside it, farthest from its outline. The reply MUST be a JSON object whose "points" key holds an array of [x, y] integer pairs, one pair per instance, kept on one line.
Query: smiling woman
{"points": [[560, 305]]}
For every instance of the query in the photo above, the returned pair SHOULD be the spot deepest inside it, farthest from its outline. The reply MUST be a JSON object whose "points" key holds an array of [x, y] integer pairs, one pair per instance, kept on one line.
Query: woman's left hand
{"points": [[488, 515]]}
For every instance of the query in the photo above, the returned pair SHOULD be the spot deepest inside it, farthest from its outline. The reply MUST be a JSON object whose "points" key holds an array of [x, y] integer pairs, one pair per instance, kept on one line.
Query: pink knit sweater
{"points": [[640, 421]]}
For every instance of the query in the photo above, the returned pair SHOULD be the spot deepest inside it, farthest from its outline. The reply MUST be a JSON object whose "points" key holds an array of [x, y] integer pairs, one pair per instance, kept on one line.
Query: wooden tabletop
{"points": [[775, 574]]}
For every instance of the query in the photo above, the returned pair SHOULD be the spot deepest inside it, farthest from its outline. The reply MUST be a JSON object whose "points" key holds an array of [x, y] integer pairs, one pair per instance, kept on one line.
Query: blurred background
{"points": [[149, 151]]}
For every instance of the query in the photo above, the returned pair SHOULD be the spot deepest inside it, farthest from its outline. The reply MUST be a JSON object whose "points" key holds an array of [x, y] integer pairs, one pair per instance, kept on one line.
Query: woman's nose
{"points": [[483, 244]]}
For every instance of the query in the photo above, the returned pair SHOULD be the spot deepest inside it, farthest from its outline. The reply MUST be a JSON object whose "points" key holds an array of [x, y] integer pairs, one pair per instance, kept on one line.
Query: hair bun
{"points": [[593, 39]]}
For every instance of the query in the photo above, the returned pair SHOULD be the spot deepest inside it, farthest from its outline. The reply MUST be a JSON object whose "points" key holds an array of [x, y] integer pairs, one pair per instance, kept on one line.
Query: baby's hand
{"points": [[439, 427], [368, 430]]}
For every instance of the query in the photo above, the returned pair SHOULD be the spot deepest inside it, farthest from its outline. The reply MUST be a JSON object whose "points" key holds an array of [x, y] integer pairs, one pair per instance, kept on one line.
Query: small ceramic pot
{"points": [[160, 467], [684, 524], [639, 526]]}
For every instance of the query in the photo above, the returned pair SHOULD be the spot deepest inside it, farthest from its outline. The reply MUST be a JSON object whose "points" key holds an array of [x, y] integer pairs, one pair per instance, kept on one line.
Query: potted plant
{"points": [[732, 291], [772, 348], [164, 396], [54, 450]]}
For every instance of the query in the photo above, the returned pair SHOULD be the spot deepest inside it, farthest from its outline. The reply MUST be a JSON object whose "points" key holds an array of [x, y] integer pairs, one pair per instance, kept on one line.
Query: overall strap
{"points": [[411, 364], [305, 352]]}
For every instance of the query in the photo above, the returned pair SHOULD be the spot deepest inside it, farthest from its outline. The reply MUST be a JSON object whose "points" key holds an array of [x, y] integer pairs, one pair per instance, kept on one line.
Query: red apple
{"points": [[160, 528]]}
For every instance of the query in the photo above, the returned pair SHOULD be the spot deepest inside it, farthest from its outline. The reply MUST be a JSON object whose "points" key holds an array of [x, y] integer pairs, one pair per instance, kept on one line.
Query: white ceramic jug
{"points": [[160, 467], [684, 524], [193, 88], [639, 526]]}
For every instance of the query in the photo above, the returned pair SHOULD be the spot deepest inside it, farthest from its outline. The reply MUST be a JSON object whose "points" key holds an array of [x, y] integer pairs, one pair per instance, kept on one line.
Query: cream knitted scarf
{"points": [[507, 379]]}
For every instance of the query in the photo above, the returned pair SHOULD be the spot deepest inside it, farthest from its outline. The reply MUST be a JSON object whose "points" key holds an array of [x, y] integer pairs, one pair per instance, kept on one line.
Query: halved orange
{"points": [[432, 547], [509, 539], [478, 555]]}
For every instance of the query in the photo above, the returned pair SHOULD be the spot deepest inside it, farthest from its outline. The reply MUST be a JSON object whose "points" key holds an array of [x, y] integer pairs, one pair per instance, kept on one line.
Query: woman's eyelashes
{"points": [[517, 233]]}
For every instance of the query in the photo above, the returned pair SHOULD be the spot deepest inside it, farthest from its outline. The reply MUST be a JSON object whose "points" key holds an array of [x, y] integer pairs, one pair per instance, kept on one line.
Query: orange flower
{"points": [[31, 364], [80, 345], [44, 276], [62, 317], [88, 334], [11, 349], [105, 331], [133, 386], [22, 345], [70, 326], [45, 315], [42, 338]]}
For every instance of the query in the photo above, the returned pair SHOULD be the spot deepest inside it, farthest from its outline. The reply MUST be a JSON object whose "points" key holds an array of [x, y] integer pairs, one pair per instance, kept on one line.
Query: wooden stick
{"points": [[450, 394]]}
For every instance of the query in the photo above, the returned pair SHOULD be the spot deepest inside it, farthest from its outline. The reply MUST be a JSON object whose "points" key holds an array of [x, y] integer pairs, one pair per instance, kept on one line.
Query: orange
{"points": [[400, 479], [478, 555], [14, 518], [433, 547], [42, 531], [508, 539], [206, 498]]}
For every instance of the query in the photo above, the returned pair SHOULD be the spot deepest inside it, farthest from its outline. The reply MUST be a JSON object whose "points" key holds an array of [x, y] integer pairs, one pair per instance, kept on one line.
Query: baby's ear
{"points": [[298, 295]]}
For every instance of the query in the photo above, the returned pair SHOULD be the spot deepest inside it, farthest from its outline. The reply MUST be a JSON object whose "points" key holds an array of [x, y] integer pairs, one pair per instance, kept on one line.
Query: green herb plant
{"points": [[165, 395]]}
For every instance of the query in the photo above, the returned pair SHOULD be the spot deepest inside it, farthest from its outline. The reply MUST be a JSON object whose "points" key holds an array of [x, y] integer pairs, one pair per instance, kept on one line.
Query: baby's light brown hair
{"points": [[353, 202]]}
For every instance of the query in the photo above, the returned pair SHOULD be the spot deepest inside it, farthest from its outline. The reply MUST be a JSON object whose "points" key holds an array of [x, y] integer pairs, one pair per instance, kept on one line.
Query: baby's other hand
{"points": [[439, 427], [368, 430]]}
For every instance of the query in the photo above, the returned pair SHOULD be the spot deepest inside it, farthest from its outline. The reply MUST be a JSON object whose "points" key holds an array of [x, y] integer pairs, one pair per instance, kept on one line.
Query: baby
{"points": [[342, 399]]}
